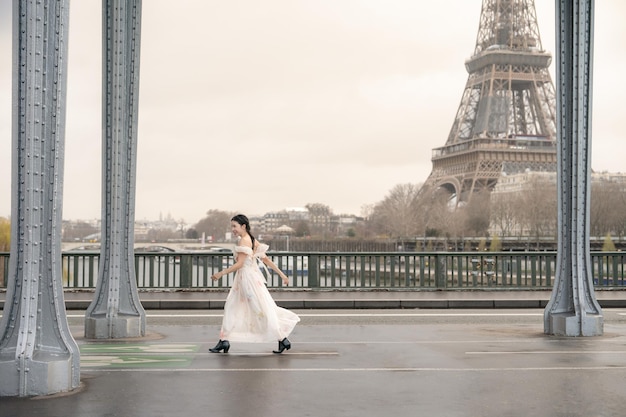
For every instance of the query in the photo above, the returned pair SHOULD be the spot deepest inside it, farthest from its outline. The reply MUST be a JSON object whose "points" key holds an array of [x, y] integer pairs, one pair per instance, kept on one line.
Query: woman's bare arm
{"points": [[267, 261], [241, 258]]}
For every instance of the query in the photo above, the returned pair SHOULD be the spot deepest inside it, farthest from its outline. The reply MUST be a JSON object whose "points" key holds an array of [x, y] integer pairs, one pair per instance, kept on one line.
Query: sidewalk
{"points": [[351, 299]]}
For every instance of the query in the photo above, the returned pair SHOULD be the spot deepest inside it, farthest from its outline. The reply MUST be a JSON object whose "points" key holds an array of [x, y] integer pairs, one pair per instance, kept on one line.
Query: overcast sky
{"points": [[255, 106]]}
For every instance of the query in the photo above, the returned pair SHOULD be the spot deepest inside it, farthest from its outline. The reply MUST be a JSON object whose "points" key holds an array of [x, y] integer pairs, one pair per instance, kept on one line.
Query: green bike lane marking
{"points": [[124, 355]]}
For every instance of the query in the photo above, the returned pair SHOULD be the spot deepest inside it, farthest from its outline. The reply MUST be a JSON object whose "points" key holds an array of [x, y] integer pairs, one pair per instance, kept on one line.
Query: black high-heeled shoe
{"points": [[221, 345], [282, 345]]}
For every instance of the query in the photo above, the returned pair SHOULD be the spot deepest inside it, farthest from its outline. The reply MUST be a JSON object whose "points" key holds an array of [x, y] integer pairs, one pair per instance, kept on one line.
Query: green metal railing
{"points": [[334, 270]]}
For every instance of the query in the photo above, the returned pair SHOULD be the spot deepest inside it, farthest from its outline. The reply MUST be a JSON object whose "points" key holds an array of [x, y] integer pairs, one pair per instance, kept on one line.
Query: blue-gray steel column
{"points": [[116, 311], [573, 309], [38, 355]]}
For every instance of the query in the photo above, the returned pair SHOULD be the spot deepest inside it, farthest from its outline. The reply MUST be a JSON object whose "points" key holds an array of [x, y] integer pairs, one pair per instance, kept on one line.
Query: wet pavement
{"points": [[349, 362]]}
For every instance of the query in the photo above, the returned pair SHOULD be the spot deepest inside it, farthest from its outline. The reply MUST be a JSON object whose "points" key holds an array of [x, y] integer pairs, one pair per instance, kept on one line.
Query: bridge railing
{"points": [[334, 270]]}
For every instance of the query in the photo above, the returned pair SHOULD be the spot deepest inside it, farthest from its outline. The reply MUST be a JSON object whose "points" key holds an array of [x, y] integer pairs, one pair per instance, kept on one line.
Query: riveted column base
{"points": [[572, 324], [118, 327], [49, 373]]}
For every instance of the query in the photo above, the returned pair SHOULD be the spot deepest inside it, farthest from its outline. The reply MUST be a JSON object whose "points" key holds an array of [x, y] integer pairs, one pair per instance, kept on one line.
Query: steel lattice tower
{"points": [[506, 122]]}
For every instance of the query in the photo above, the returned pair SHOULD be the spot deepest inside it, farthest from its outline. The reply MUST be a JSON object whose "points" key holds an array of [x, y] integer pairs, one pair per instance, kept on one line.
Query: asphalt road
{"points": [[349, 363]]}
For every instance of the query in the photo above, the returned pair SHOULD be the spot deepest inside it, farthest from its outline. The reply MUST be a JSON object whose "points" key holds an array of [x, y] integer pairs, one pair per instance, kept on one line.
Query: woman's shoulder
{"points": [[245, 249]]}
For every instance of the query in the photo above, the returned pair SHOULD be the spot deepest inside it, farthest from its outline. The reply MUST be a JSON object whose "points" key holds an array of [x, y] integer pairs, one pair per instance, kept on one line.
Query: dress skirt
{"points": [[250, 313]]}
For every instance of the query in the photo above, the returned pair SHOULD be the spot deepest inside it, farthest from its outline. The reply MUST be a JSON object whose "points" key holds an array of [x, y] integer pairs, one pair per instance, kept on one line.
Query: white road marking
{"points": [[354, 315], [275, 354], [532, 369], [137, 354], [423, 315], [550, 352], [75, 316]]}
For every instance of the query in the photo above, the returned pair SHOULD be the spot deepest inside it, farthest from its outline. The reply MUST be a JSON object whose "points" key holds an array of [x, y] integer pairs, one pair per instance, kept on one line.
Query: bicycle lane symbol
{"points": [[121, 355]]}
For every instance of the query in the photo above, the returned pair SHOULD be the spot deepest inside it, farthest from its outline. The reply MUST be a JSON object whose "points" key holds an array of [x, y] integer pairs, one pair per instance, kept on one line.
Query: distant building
{"points": [[614, 177], [256, 224], [273, 220], [297, 214], [519, 182]]}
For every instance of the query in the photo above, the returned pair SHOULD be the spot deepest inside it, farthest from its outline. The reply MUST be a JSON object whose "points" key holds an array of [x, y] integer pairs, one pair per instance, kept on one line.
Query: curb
{"points": [[354, 301], [349, 304]]}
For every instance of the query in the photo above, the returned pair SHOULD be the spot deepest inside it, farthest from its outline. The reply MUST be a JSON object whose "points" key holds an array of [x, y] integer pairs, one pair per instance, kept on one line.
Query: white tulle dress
{"points": [[250, 313]]}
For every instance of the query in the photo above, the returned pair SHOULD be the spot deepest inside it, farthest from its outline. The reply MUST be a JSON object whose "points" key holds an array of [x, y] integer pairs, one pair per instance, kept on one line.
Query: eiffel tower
{"points": [[506, 122]]}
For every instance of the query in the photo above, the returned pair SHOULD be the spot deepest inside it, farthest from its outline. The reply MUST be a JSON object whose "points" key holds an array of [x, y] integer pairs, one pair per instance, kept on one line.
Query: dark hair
{"points": [[243, 220]]}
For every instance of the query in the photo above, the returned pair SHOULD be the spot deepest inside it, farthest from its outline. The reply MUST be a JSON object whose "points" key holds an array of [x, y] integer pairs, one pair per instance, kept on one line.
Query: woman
{"points": [[250, 313]]}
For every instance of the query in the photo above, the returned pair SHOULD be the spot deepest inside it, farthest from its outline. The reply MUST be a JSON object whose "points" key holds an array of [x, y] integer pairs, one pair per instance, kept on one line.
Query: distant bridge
{"points": [[152, 246]]}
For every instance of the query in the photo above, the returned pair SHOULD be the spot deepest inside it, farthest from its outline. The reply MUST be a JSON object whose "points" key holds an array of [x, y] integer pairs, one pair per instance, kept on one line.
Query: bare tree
{"points": [[397, 215], [216, 223], [365, 229], [5, 234], [606, 216], [319, 219], [5, 246], [503, 213], [477, 214], [434, 213], [537, 208], [302, 228]]}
